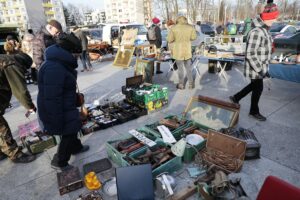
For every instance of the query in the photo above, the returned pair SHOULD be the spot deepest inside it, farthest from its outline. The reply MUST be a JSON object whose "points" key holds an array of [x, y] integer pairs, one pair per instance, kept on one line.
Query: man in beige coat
{"points": [[181, 36]]}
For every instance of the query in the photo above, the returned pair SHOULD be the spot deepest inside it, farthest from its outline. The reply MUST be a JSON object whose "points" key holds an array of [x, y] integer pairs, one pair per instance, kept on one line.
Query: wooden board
{"points": [[124, 56], [144, 68]]}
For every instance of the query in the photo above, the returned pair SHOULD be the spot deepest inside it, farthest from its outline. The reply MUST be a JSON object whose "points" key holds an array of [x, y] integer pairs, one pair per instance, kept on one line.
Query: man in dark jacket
{"points": [[12, 81], [57, 98], [154, 37], [84, 57], [258, 56], [45, 38]]}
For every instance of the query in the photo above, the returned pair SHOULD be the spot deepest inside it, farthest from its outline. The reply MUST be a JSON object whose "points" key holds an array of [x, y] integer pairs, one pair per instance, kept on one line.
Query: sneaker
{"points": [[191, 86], [180, 86], [258, 117], [159, 72], [233, 100], [2, 156], [61, 168], [83, 70], [84, 149], [24, 158]]}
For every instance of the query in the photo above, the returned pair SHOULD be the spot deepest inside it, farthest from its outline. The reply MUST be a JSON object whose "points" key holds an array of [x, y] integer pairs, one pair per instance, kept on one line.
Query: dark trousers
{"points": [[256, 87], [34, 74], [68, 145], [85, 59]]}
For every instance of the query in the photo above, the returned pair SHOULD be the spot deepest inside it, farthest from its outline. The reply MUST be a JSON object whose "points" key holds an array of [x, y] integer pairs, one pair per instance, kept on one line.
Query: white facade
{"points": [[94, 17], [126, 11], [31, 14]]}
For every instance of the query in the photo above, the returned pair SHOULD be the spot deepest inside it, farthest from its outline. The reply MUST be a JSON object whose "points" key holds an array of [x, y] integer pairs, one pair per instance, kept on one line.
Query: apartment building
{"points": [[30, 14], [128, 11], [94, 17]]}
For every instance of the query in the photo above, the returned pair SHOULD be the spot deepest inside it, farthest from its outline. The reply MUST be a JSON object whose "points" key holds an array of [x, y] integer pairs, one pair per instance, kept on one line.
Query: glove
{"points": [[30, 112]]}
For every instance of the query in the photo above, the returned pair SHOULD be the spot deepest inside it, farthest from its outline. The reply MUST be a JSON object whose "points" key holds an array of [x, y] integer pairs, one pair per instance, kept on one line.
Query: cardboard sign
{"points": [[142, 138]]}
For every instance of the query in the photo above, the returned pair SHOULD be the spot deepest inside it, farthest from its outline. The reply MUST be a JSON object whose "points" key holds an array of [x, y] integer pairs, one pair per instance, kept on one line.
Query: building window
{"points": [[57, 9], [24, 17], [120, 10], [11, 11]]}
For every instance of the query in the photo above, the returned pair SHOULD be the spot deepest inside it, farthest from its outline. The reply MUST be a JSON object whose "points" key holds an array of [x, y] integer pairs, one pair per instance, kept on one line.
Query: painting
{"points": [[124, 56], [144, 68], [146, 51]]}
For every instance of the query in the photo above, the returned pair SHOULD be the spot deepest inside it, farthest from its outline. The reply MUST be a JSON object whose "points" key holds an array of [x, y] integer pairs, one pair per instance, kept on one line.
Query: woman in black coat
{"points": [[57, 98]]}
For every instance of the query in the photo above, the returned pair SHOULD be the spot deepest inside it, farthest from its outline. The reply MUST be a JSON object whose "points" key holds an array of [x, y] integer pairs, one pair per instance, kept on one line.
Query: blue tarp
{"points": [[285, 72]]}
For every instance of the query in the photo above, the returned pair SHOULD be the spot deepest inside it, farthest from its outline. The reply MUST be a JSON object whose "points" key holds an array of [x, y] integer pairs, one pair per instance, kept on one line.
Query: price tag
{"points": [[142, 138]]}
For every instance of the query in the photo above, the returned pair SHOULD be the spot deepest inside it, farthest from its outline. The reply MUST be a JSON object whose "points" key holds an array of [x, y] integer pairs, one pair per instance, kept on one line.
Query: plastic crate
{"points": [[177, 133], [170, 166]]}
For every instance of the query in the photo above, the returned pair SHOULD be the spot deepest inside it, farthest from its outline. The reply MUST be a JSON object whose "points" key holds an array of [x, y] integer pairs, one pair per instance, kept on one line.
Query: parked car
{"points": [[113, 32], [297, 25], [94, 35], [203, 31], [282, 29], [286, 44]]}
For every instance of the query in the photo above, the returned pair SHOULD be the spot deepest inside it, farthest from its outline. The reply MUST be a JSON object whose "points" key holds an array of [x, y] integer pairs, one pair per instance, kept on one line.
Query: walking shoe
{"points": [[191, 86], [159, 72], [180, 86], [258, 117], [83, 149], [83, 70], [61, 168], [2, 156], [24, 158], [233, 100]]}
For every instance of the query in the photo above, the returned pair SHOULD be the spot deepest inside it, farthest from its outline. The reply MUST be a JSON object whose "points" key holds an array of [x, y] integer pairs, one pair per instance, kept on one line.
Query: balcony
{"points": [[50, 12], [2, 0], [47, 5]]}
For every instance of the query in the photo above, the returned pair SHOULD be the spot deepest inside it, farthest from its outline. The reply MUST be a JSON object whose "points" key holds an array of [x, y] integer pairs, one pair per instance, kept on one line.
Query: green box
{"points": [[177, 133], [118, 158], [40, 146]]}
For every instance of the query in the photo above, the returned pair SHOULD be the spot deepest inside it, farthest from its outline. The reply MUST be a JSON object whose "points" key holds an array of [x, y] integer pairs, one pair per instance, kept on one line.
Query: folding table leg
{"points": [[171, 67], [222, 72]]}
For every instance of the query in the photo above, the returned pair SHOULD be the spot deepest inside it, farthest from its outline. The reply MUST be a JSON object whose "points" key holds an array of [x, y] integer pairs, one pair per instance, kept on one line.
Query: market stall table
{"points": [[285, 72], [222, 63]]}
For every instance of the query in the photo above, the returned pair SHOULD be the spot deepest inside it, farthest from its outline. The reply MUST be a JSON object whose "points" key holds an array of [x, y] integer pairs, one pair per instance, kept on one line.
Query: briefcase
{"points": [[69, 180]]}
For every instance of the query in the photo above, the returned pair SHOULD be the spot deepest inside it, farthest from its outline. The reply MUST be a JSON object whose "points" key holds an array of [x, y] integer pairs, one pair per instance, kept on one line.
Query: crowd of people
{"points": [[52, 54]]}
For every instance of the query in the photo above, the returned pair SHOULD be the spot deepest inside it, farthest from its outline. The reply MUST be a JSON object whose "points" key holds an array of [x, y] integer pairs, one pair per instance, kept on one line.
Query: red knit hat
{"points": [[270, 12], [155, 20]]}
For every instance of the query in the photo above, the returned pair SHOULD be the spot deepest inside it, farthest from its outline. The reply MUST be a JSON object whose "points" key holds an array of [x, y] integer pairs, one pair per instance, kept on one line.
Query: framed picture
{"points": [[146, 51], [124, 56], [144, 68]]}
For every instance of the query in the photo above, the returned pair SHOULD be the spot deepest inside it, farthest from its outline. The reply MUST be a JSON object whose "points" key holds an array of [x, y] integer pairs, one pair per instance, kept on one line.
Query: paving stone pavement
{"points": [[279, 135]]}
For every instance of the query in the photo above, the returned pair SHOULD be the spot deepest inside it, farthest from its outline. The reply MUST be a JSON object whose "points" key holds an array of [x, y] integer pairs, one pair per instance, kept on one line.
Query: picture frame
{"points": [[124, 56], [144, 68], [146, 51]]}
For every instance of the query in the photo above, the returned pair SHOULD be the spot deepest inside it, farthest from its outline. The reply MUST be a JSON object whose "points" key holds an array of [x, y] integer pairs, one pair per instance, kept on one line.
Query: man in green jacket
{"points": [[12, 81]]}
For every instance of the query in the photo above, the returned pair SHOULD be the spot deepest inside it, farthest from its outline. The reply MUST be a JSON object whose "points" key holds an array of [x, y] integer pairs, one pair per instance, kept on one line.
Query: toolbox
{"points": [[34, 139], [225, 152], [121, 158], [69, 180]]}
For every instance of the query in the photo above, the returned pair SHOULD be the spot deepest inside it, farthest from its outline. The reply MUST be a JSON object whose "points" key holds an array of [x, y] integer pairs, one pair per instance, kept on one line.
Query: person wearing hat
{"points": [[258, 56], [13, 82], [43, 39], [56, 98], [84, 57], [154, 37]]}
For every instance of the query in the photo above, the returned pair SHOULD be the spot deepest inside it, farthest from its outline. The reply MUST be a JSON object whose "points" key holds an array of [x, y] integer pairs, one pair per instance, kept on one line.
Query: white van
{"points": [[111, 33]]}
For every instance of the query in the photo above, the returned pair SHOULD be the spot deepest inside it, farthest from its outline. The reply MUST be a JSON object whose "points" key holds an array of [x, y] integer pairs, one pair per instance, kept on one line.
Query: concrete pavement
{"points": [[279, 135]]}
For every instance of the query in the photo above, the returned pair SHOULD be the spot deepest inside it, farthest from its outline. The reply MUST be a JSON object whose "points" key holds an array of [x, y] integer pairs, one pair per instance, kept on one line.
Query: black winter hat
{"points": [[69, 42]]}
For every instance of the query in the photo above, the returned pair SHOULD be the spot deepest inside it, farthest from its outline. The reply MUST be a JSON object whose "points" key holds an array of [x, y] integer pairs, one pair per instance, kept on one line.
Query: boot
{"points": [[23, 158]]}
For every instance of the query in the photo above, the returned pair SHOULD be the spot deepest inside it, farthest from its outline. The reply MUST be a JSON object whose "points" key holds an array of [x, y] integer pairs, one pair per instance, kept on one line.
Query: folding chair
{"points": [[195, 63], [171, 65]]}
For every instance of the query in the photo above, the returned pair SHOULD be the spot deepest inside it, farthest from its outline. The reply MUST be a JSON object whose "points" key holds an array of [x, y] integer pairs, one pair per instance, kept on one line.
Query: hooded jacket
{"points": [[181, 35], [42, 40], [258, 50], [27, 44], [57, 93], [12, 80]]}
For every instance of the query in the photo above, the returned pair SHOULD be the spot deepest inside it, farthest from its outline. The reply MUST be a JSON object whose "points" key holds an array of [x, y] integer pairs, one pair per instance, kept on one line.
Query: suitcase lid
{"points": [[212, 113], [225, 143], [134, 81]]}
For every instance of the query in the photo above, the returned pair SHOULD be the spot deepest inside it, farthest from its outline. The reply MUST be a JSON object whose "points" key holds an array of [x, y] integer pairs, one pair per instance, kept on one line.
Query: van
{"points": [[112, 33]]}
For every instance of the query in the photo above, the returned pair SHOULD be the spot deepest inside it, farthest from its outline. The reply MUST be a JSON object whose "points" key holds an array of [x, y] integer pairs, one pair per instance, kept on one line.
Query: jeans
{"points": [[256, 87], [188, 67], [68, 145], [85, 59]]}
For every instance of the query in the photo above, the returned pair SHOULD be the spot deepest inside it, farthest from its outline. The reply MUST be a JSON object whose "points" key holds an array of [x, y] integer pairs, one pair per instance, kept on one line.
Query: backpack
{"points": [[152, 33]]}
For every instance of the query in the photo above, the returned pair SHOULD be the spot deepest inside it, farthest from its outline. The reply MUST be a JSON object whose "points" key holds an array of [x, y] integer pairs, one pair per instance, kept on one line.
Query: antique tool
{"points": [[95, 195], [219, 183], [169, 123], [126, 144], [185, 193], [162, 160], [132, 148], [190, 129]]}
